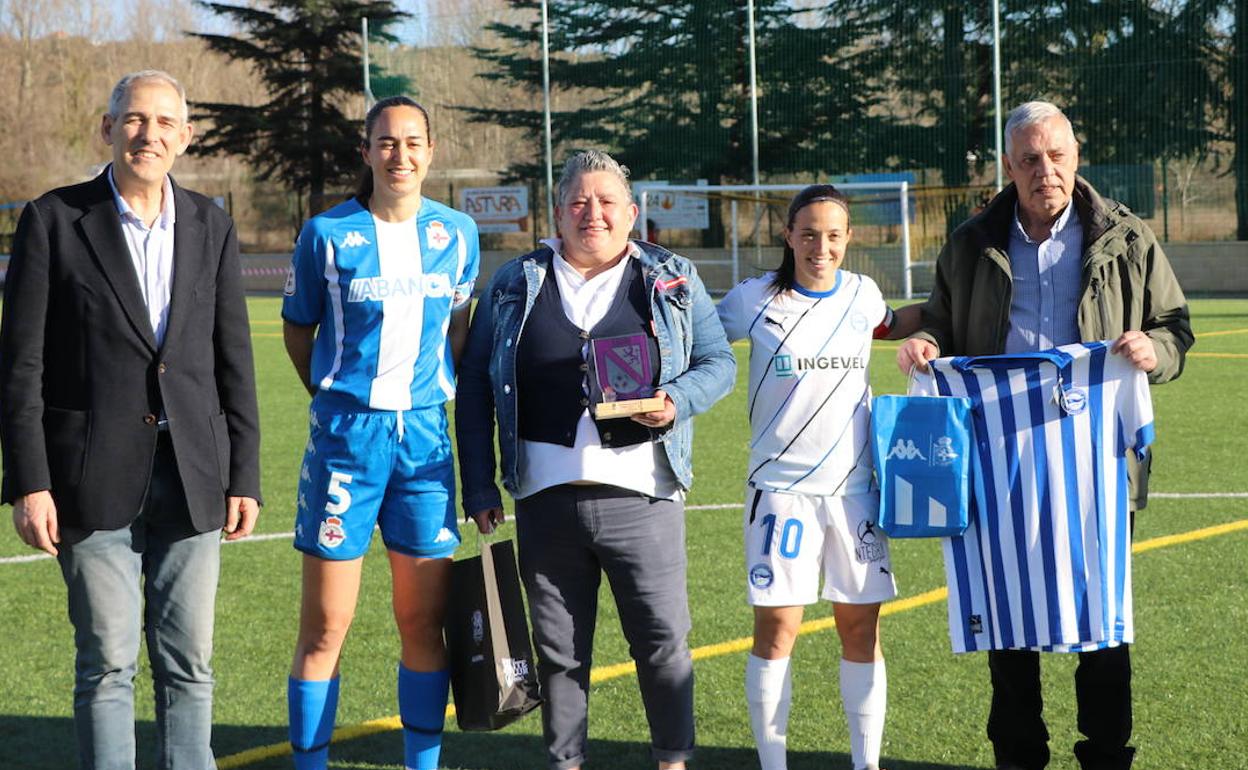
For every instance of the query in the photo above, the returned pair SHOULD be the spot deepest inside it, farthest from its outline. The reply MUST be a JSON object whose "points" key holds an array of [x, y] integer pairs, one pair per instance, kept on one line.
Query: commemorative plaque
{"points": [[624, 372]]}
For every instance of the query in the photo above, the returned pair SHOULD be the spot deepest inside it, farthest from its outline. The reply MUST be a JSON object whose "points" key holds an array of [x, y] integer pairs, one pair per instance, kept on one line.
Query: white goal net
{"points": [[752, 218]]}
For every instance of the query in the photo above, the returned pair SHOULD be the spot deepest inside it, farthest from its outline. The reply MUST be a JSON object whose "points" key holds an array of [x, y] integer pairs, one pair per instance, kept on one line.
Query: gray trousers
{"points": [[568, 536]]}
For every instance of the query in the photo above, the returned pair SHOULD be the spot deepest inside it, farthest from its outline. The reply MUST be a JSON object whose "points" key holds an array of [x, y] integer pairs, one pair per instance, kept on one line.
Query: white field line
{"points": [[711, 507]]}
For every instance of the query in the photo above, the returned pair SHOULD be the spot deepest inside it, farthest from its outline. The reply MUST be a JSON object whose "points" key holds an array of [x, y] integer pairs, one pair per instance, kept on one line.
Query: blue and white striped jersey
{"points": [[1046, 561], [809, 399], [382, 295]]}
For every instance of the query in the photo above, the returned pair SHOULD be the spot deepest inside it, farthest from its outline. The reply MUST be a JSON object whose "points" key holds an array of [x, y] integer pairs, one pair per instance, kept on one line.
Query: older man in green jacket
{"points": [[1050, 262]]}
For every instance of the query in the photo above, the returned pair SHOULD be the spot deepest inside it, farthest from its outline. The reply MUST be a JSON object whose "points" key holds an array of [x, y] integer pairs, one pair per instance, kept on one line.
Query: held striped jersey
{"points": [[382, 294], [1046, 561], [809, 398]]}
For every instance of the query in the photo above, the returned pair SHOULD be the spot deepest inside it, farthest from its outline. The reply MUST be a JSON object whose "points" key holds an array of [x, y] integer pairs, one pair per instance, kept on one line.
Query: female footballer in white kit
{"points": [[811, 500]]}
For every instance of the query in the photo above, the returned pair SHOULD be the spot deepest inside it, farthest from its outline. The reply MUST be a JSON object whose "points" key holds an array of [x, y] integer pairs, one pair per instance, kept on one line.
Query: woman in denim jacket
{"points": [[594, 496]]}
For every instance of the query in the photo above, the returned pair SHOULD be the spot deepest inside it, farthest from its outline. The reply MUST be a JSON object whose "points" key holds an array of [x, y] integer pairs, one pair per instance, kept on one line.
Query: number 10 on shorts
{"points": [[790, 541]]}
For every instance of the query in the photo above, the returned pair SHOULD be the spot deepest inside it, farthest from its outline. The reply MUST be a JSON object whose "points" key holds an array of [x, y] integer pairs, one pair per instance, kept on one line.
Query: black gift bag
{"points": [[493, 675]]}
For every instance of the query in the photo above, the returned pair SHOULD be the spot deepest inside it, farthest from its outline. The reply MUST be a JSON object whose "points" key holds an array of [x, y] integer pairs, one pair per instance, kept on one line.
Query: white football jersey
{"points": [[809, 399], [1046, 561]]}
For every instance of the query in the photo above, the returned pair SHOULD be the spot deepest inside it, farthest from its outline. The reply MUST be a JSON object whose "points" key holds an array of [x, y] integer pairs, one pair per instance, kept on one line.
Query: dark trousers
{"points": [[569, 537], [1103, 695]]}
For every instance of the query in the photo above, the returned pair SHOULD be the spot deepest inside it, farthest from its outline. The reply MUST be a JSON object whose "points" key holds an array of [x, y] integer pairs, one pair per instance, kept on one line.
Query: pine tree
{"points": [[308, 54], [662, 85]]}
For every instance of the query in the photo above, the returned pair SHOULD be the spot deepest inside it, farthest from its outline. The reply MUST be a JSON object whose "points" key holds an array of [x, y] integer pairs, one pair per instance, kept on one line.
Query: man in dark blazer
{"points": [[129, 423]]}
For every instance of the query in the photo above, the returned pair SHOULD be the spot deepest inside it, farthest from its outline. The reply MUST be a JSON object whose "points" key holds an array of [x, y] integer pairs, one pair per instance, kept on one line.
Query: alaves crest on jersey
{"points": [[380, 288], [786, 365]]}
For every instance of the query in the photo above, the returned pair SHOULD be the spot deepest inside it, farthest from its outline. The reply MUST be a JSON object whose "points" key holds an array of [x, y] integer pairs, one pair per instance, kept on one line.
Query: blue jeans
{"points": [[160, 575]]}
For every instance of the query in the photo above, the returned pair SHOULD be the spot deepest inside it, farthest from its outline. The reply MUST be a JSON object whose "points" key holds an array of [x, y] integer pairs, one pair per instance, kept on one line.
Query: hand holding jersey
{"points": [[1046, 561], [1135, 346]]}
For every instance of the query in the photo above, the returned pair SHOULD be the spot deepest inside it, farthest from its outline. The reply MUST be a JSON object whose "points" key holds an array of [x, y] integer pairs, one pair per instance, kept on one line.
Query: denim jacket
{"points": [[696, 365]]}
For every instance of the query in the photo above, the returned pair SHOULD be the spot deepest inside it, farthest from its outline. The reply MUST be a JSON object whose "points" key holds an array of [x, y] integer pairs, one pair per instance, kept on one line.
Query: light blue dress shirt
{"points": [[151, 250], [1047, 274]]}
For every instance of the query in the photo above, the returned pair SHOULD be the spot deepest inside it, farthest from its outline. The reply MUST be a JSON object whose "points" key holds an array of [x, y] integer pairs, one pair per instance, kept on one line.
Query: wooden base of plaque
{"points": [[610, 409]]}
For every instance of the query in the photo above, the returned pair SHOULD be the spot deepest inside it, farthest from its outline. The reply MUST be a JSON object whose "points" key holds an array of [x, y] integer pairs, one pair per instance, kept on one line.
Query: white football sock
{"points": [[864, 694], [769, 692]]}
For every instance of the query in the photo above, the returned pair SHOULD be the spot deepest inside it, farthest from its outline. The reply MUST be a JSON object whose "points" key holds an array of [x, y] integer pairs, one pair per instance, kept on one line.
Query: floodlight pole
{"points": [[550, 168], [758, 213], [368, 87], [996, 85], [753, 96]]}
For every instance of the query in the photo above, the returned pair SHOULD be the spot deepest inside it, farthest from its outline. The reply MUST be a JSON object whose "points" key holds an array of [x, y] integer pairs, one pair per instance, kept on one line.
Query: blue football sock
{"points": [[422, 708], [312, 706]]}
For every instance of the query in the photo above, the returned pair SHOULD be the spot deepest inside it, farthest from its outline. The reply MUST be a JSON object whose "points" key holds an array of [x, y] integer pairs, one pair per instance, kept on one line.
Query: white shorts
{"points": [[788, 538]]}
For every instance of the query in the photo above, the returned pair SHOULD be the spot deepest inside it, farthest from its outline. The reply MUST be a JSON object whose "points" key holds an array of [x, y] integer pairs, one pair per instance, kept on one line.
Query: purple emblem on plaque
{"points": [[623, 367]]}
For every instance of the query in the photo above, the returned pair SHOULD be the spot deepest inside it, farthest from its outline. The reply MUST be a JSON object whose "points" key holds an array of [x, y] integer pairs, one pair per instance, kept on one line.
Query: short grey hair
{"points": [[1030, 113], [121, 91], [588, 161]]}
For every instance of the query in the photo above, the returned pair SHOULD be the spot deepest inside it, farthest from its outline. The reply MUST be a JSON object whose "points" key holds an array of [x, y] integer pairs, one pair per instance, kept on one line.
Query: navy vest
{"points": [[554, 381]]}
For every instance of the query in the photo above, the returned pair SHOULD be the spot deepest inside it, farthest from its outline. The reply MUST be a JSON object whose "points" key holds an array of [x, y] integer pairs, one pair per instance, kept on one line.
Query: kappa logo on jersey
{"points": [[761, 576], [304, 473], [437, 235], [355, 238], [444, 535], [905, 449], [331, 534], [289, 290], [429, 285]]}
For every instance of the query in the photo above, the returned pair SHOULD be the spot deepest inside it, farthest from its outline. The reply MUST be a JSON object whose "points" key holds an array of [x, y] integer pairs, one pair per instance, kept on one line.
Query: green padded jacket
{"points": [[1127, 284]]}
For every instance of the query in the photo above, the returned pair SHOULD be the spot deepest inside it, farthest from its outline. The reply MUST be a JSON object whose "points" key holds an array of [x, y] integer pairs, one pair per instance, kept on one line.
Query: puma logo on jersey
{"points": [[353, 239], [380, 287], [905, 449], [769, 320]]}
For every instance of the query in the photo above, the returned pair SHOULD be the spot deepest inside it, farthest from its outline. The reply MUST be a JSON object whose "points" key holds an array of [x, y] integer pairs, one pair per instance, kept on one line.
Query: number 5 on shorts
{"points": [[340, 497], [790, 536]]}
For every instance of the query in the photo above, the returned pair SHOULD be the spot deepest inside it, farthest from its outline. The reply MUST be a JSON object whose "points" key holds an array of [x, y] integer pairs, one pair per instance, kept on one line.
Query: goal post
{"points": [[734, 196]]}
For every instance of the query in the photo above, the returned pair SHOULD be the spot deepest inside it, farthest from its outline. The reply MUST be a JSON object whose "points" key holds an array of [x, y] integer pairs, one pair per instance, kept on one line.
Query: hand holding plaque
{"points": [[624, 374]]}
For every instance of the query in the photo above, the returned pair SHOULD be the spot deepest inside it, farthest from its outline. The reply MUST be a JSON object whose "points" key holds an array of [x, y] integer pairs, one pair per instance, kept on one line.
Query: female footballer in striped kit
{"points": [[811, 500], [376, 312]]}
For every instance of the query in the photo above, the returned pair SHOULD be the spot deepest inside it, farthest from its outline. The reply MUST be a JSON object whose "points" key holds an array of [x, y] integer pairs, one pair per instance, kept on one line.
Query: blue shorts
{"points": [[390, 469]]}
